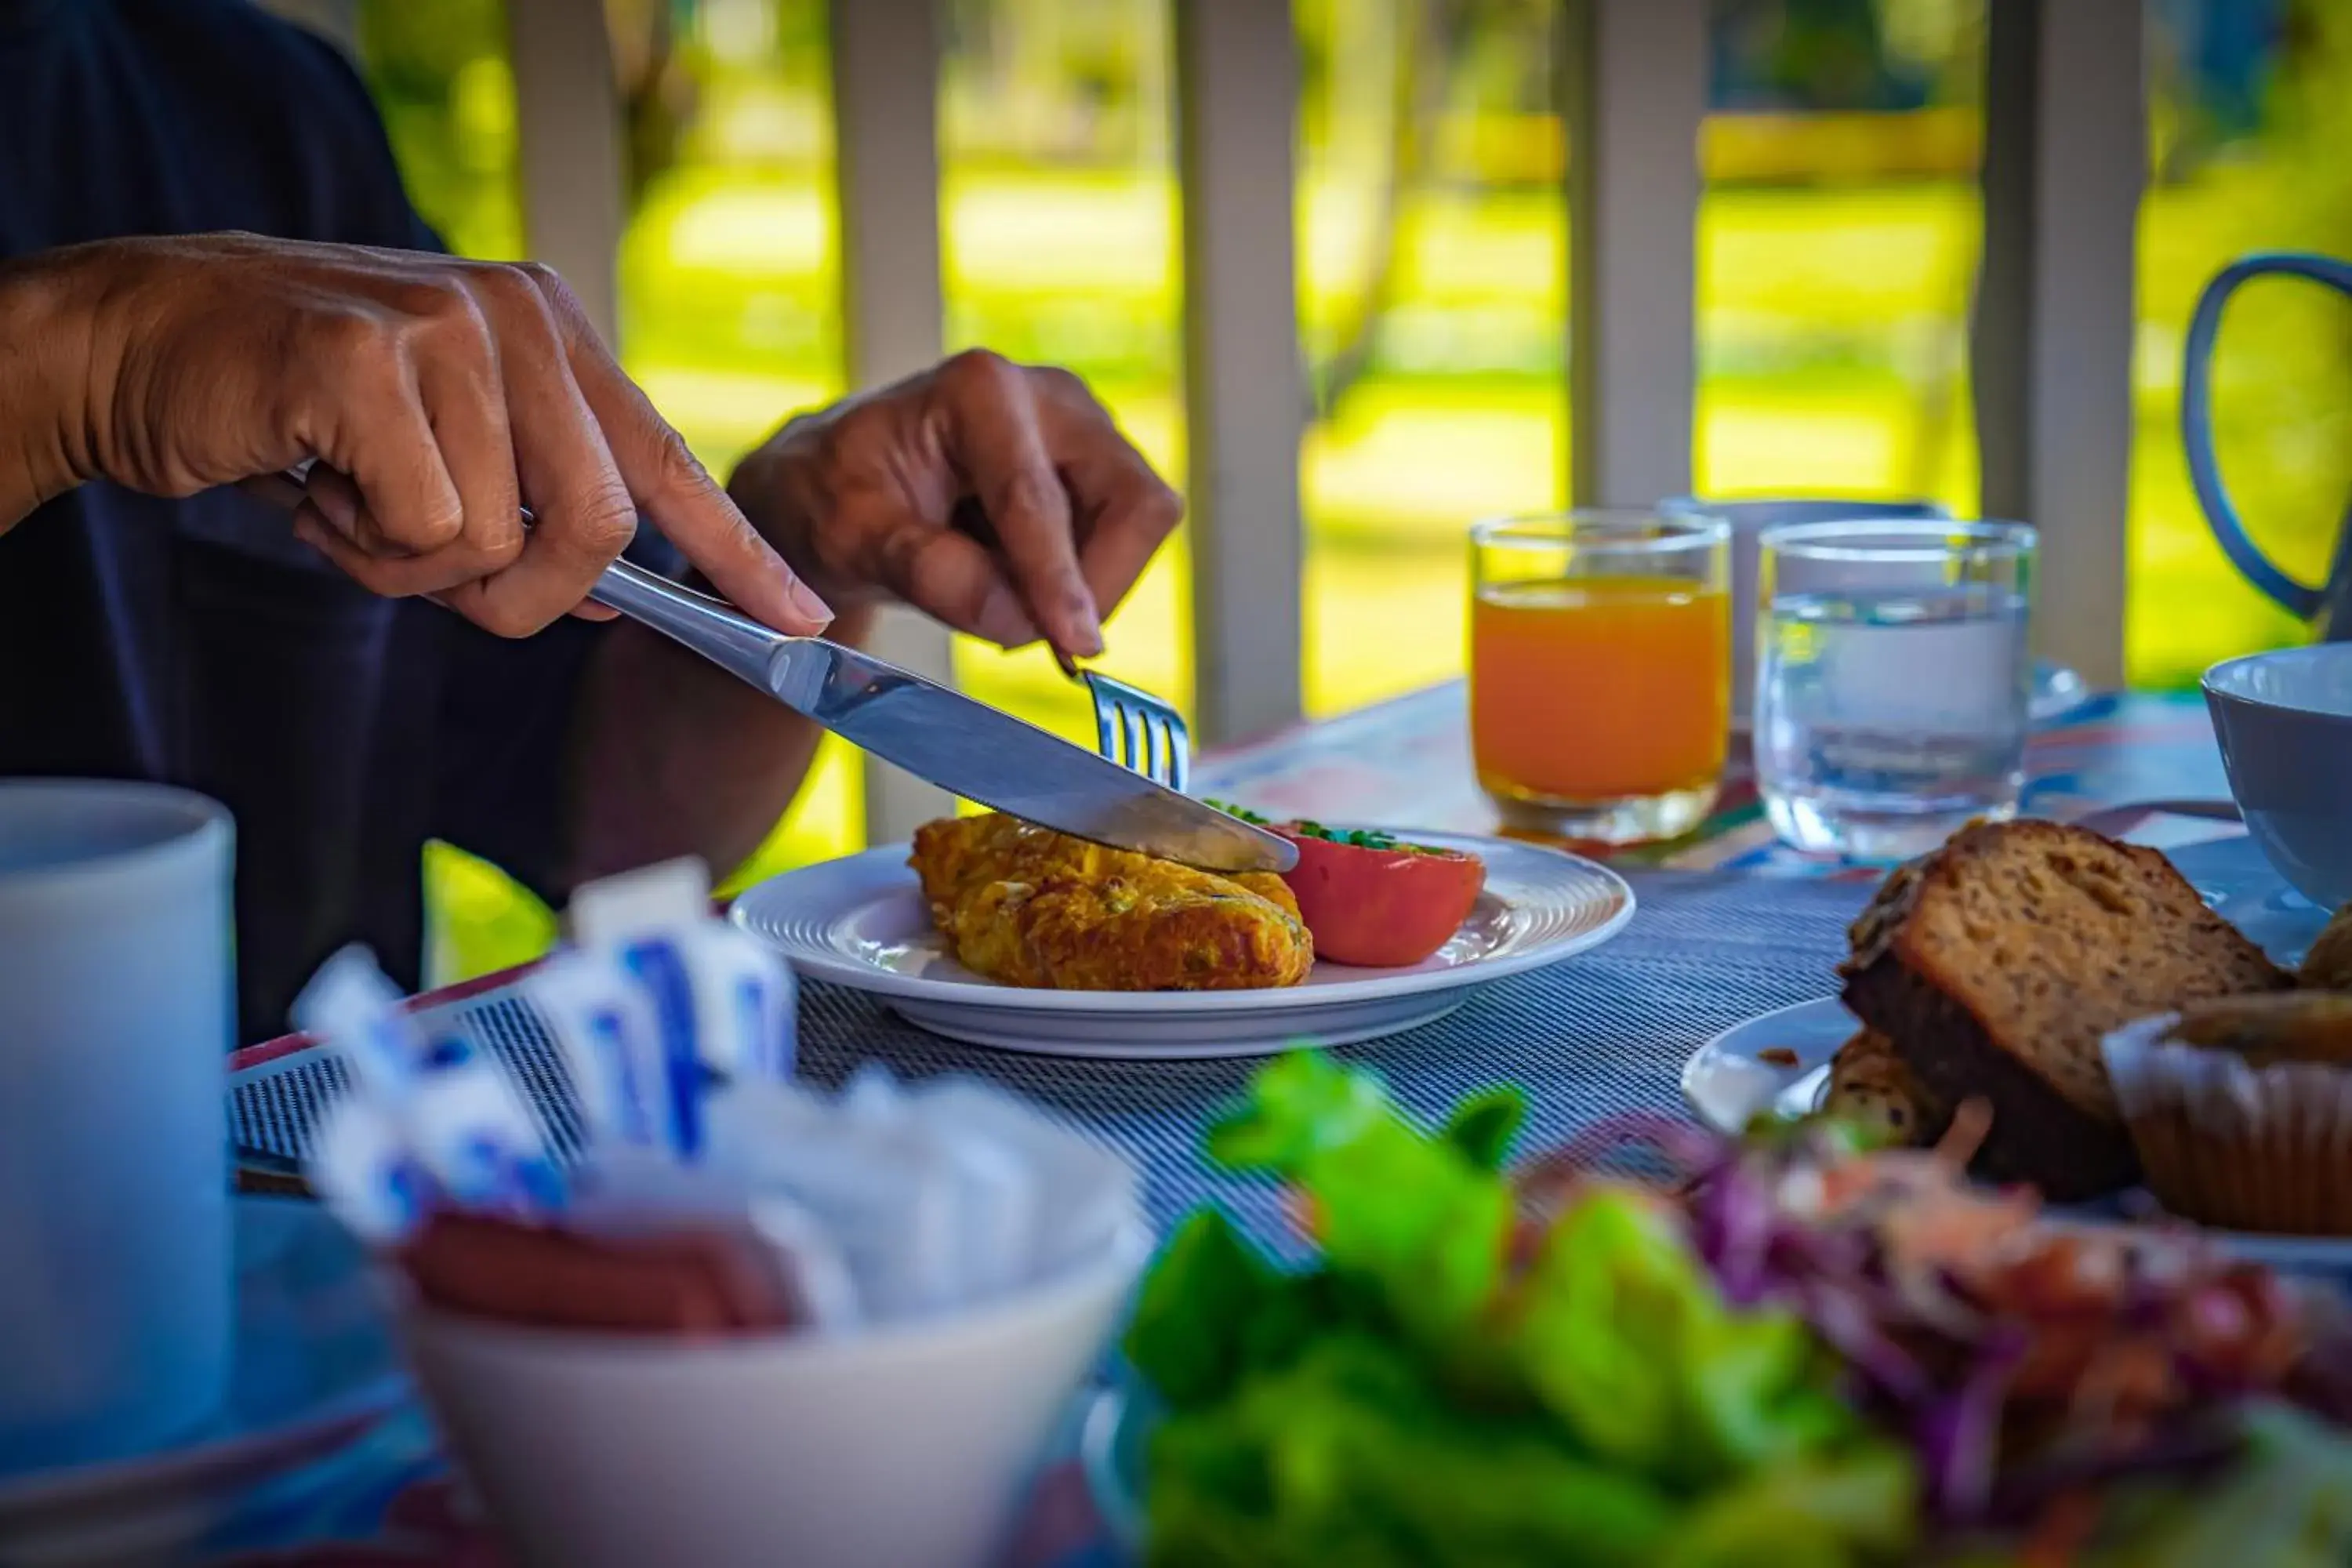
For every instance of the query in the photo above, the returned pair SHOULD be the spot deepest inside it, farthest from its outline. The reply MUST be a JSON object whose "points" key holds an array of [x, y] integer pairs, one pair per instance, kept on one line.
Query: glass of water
{"points": [[1893, 683]]}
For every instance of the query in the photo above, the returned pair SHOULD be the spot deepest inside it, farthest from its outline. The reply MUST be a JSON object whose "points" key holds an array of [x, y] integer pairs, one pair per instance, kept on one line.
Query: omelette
{"points": [[1026, 906]]}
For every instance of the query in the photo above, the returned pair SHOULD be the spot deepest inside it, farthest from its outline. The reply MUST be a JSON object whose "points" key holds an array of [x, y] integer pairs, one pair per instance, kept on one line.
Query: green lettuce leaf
{"points": [[1619, 1330], [1352, 1456], [1408, 1214]]}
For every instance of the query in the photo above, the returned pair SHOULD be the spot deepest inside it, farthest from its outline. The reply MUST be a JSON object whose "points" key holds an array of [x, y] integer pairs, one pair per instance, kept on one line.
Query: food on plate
{"points": [[2241, 1111], [2328, 966], [1371, 898], [1871, 1086], [1027, 906], [1791, 1351], [1996, 963]]}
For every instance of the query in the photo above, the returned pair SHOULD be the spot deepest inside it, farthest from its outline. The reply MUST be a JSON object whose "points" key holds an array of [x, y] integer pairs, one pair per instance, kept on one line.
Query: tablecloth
{"points": [[1731, 924]]}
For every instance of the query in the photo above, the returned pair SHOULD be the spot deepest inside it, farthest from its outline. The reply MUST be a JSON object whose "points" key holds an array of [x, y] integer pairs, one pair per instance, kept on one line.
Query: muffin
{"points": [[2240, 1111]]}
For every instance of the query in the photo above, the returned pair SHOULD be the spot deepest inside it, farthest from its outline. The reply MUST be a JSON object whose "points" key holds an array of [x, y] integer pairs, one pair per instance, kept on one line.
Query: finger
{"points": [[460, 383], [954, 580], [443, 574], [1125, 510], [993, 436], [664, 480], [337, 502], [584, 519], [370, 423]]}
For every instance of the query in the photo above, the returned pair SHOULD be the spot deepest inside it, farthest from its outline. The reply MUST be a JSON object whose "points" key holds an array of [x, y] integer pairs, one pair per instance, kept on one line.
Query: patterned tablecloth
{"points": [[1723, 933]]}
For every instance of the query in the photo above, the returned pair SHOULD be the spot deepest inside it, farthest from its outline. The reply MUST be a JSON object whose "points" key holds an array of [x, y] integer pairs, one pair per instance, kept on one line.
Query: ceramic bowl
{"points": [[2285, 722]]}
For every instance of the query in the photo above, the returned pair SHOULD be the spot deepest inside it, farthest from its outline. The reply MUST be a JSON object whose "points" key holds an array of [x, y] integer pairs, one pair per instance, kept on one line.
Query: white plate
{"points": [[860, 922], [1732, 1080]]}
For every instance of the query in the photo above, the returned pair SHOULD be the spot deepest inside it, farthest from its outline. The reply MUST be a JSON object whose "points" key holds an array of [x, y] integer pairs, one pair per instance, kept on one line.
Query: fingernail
{"points": [[806, 600], [1086, 641]]}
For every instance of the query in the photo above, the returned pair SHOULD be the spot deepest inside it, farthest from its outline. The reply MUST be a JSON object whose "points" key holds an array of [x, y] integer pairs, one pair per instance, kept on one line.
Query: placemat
{"points": [[1602, 1033]]}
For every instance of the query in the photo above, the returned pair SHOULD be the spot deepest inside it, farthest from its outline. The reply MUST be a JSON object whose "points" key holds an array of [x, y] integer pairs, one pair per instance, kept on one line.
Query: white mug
{"points": [[115, 1025]]}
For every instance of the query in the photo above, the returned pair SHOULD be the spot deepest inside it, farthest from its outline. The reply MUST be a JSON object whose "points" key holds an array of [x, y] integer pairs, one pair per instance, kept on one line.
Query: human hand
{"points": [[438, 396], [999, 497]]}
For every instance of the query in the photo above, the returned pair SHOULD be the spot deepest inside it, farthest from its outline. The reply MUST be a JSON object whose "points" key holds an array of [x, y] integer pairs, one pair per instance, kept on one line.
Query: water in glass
{"points": [[1885, 717]]}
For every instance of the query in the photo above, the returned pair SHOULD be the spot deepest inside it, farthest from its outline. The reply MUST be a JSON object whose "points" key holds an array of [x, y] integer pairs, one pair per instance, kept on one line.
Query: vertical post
{"points": [[1635, 92], [1237, 80], [886, 76], [568, 121], [2064, 165]]}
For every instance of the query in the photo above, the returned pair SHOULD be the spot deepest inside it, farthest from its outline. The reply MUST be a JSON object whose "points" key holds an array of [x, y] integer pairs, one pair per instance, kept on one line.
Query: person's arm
{"points": [[434, 394], [43, 335], [997, 498]]}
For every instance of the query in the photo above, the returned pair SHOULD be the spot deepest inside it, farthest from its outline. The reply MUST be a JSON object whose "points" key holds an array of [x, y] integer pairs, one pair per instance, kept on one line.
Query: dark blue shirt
{"points": [[196, 642]]}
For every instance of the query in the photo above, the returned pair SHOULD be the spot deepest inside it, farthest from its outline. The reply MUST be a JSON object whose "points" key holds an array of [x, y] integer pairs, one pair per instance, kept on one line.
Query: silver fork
{"points": [[1140, 733]]}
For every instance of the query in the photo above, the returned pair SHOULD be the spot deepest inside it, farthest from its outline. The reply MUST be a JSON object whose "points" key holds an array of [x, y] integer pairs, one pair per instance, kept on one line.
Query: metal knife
{"points": [[966, 747]]}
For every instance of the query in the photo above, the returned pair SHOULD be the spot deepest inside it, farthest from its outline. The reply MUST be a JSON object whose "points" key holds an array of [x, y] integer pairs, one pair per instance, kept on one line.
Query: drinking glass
{"points": [[1600, 671], [115, 1026], [1893, 686]]}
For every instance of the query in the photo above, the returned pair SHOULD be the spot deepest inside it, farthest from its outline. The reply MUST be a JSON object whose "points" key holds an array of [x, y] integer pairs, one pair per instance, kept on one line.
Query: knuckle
{"points": [[1163, 506], [606, 526], [549, 285], [977, 370], [1027, 493], [509, 290], [1061, 384], [674, 463]]}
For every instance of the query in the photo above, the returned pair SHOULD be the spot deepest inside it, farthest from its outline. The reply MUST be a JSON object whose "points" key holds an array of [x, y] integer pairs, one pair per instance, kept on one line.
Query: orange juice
{"points": [[1599, 689]]}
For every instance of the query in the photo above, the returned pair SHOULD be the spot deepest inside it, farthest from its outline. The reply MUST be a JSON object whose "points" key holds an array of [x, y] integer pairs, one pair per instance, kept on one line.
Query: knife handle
{"points": [[711, 628]]}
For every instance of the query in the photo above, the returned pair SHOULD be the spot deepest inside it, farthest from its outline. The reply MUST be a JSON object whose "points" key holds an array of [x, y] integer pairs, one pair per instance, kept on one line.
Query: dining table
{"points": [[1729, 924]]}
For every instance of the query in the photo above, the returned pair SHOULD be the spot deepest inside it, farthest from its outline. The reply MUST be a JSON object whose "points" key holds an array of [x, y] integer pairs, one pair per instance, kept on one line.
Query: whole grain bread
{"points": [[1997, 963]]}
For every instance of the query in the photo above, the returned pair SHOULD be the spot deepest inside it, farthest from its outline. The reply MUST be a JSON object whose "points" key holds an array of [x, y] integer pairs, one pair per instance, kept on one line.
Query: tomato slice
{"points": [[1380, 908]]}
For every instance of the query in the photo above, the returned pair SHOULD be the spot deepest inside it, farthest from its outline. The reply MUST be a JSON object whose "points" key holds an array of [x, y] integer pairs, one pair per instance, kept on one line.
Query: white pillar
{"points": [[1635, 92], [1237, 79], [568, 121], [886, 75], [2065, 162]]}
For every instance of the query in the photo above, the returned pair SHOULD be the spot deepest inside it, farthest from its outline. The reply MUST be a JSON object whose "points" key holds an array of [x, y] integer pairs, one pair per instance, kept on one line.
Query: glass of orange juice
{"points": [[1600, 671]]}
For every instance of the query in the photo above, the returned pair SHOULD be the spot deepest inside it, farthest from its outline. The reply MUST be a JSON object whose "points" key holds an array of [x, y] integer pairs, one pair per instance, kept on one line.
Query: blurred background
{"points": [[1838, 242]]}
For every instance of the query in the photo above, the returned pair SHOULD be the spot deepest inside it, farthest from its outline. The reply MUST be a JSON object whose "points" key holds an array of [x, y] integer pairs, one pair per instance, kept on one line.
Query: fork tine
{"points": [[1136, 740], [1106, 719], [1179, 743]]}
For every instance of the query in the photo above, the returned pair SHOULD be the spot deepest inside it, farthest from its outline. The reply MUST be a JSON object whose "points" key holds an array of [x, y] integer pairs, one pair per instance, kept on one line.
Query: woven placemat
{"points": [[1602, 1033]]}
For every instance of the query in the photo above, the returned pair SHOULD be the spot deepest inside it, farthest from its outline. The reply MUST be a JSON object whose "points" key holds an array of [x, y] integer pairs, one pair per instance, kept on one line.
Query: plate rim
{"points": [[201, 1460], [1382, 986]]}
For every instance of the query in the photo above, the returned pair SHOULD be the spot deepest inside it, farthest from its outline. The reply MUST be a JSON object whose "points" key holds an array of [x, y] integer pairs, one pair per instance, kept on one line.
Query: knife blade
{"points": [[940, 735], [987, 755], [937, 733]]}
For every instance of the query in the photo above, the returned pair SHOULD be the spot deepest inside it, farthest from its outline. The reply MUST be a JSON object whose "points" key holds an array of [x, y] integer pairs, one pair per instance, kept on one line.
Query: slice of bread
{"points": [[1997, 963]]}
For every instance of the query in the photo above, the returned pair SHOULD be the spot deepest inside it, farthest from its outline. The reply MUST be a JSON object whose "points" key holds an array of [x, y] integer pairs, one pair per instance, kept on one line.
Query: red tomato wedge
{"points": [[1380, 908]]}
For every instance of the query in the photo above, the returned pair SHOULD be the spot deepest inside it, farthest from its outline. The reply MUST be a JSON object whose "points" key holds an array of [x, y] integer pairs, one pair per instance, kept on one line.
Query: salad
{"points": [[1658, 1347]]}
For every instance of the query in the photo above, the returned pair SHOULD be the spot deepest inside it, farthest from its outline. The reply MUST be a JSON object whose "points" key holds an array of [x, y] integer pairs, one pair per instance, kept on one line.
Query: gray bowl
{"points": [[2285, 722]]}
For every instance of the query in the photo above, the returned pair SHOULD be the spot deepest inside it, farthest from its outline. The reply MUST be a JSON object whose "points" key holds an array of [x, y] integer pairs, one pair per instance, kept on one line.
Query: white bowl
{"points": [[908, 1445], [2285, 722]]}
